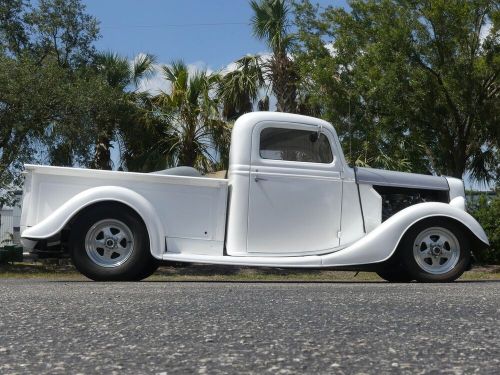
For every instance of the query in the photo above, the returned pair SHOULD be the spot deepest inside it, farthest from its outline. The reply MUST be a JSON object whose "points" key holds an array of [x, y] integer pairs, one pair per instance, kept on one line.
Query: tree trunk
{"points": [[187, 156], [102, 154], [284, 80]]}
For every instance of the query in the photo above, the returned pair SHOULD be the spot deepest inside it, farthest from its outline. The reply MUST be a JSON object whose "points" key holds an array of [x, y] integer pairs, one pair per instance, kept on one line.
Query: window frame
{"points": [[321, 133], [257, 160]]}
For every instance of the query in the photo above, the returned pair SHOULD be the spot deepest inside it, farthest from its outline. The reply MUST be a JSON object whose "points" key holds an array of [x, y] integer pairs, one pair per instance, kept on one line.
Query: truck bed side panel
{"points": [[189, 208]]}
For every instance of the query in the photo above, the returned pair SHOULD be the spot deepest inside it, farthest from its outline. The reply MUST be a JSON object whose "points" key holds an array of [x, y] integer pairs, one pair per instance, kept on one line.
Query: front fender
{"points": [[56, 221], [379, 245]]}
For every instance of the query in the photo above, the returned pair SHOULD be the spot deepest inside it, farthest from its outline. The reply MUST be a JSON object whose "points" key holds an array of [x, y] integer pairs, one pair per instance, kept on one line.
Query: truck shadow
{"points": [[192, 273]]}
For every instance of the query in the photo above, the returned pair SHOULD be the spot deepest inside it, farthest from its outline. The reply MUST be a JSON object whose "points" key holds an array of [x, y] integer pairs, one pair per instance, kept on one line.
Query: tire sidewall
{"points": [[406, 251]]}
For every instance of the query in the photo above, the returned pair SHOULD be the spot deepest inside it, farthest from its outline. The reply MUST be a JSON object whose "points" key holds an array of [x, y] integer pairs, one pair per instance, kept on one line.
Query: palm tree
{"points": [[122, 77], [192, 132], [270, 23], [239, 89]]}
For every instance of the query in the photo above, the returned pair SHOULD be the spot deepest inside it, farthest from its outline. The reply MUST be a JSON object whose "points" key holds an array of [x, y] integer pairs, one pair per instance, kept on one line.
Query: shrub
{"points": [[488, 215]]}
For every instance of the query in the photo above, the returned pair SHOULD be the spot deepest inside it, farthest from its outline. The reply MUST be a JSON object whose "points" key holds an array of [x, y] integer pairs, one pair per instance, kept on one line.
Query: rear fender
{"points": [[381, 243], [55, 222]]}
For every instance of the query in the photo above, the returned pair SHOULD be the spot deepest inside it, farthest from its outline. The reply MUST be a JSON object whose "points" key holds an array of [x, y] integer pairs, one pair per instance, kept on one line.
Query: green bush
{"points": [[488, 215]]}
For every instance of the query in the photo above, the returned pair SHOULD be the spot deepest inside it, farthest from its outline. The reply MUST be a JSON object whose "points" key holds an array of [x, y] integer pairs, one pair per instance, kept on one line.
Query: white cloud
{"points": [[485, 31], [158, 83], [331, 49], [265, 56], [229, 68], [154, 84]]}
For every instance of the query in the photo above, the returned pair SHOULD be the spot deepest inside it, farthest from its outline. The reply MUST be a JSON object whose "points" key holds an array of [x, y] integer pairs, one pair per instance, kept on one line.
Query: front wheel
{"points": [[435, 250], [111, 243]]}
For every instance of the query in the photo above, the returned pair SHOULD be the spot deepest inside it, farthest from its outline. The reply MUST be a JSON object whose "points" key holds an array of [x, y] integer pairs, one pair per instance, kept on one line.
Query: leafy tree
{"points": [[420, 80], [13, 30], [48, 97], [47, 114], [123, 78], [488, 215], [188, 121], [20, 115], [271, 23], [239, 89], [59, 28], [62, 27]]}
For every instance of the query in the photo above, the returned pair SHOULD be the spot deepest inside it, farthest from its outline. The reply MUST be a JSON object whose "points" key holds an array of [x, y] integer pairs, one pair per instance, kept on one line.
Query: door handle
{"points": [[257, 179]]}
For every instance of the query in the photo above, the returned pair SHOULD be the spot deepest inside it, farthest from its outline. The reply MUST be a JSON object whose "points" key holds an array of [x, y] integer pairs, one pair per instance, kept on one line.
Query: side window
{"points": [[295, 145]]}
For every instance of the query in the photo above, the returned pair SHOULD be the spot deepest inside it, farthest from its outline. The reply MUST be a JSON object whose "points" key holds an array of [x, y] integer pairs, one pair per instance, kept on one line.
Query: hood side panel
{"points": [[382, 177]]}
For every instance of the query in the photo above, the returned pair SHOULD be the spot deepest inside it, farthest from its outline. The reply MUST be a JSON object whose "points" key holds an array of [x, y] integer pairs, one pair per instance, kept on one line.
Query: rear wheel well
{"points": [[111, 205]]}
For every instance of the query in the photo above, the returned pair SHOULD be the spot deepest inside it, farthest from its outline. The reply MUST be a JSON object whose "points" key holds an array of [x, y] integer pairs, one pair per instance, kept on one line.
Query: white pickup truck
{"points": [[289, 200]]}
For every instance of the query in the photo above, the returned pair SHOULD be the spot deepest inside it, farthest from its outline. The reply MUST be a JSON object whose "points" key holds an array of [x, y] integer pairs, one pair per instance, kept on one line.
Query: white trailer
{"points": [[10, 218]]}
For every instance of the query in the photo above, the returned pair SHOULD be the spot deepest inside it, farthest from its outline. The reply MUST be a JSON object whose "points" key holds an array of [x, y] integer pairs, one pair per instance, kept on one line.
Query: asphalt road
{"points": [[171, 327]]}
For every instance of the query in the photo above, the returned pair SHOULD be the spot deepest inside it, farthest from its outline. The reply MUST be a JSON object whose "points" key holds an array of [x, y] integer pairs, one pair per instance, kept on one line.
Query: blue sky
{"points": [[210, 32]]}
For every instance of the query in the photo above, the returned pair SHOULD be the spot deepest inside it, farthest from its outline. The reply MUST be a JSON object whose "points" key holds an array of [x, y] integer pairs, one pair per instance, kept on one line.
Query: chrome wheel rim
{"points": [[436, 250], [109, 243]]}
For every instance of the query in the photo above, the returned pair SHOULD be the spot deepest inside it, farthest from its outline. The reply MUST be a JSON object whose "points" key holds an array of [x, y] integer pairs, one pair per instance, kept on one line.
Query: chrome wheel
{"points": [[109, 243], [436, 250]]}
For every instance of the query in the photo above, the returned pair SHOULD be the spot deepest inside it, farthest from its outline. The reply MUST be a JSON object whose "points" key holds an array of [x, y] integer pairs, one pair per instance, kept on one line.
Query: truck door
{"points": [[295, 190]]}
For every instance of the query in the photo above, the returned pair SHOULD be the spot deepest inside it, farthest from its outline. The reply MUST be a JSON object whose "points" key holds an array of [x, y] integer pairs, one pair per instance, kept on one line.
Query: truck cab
{"points": [[287, 179]]}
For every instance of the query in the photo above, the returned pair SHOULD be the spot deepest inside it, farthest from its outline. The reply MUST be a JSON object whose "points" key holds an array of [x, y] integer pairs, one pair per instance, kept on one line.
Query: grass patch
{"points": [[54, 271]]}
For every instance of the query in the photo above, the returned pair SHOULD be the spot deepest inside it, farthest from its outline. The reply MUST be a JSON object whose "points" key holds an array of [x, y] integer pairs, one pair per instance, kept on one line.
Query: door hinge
{"points": [[339, 234]]}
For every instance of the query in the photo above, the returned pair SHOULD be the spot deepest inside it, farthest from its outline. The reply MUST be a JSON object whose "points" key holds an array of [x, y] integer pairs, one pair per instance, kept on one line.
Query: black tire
{"points": [[395, 275], [139, 262], [153, 265], [438, 229]]}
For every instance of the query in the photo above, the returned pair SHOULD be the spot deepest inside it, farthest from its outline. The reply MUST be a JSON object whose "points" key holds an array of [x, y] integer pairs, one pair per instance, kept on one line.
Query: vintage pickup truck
{"points": [[289, 200]]}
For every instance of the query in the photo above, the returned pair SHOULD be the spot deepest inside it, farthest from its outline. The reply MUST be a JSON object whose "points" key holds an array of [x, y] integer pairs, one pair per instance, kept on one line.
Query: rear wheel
{"points": [[435, 250], [111, 243]]}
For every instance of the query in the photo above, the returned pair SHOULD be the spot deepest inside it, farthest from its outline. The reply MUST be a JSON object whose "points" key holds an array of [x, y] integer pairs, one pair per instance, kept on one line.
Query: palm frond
{"points": [[143, 68], [270, 22]]}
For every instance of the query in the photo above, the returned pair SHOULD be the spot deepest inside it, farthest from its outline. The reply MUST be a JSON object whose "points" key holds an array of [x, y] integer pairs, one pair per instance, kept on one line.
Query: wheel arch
{"points": [[104, 203], [475, 241], [62, 218], [381, 243]]}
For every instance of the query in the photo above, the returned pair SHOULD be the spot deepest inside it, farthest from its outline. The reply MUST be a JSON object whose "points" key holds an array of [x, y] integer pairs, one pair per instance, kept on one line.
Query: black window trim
{"points": [[323, 131]]}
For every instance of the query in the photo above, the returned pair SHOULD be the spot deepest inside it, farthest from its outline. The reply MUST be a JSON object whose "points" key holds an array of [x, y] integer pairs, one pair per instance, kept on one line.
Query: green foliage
{"points": [[188, 121], [59, 29], [417, 81], [124, 114], [46, 115], [239, 89], [488, 215], [271, 23], [61, 102], [49, 98]]}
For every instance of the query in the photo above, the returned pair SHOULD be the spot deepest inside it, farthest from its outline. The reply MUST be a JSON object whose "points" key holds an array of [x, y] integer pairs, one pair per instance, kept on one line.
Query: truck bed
{"points": [[192, 210]]}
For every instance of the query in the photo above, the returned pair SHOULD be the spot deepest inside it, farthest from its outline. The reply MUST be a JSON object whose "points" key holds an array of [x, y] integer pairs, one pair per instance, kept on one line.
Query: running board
{"points": [[312, 261]]}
